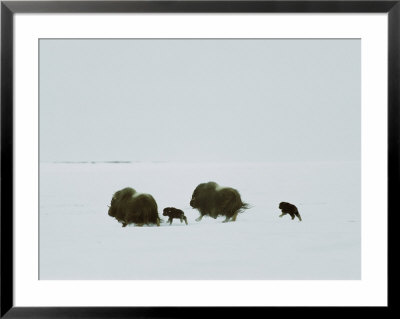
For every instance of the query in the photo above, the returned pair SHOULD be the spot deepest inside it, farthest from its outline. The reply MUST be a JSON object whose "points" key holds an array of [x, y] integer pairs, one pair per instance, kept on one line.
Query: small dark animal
{"points": [[131, 207], [290, 209], [173, 212], [213, 200]]}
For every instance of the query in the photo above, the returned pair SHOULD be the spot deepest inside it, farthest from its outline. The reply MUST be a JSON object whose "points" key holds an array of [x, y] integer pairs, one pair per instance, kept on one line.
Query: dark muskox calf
{"points": [[131, 207], [290, 209], [213, 200], [173, 212]]}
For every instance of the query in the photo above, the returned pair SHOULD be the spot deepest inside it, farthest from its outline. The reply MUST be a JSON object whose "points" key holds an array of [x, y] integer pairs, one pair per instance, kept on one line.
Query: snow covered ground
{"points": [[78, 240]]}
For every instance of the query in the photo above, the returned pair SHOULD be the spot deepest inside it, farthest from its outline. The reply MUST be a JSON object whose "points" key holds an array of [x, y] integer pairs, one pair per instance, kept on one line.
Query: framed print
{"points": [[172, 158]]}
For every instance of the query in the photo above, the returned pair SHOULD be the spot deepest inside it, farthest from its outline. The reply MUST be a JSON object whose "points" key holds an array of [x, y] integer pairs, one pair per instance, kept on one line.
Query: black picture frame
{"points": [[9, 8]]}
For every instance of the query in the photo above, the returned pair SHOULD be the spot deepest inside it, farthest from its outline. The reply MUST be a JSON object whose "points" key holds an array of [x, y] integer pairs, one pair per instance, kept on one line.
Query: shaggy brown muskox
{"points": [[213, 200], [131, 207], [173, 212], [290, 209]]}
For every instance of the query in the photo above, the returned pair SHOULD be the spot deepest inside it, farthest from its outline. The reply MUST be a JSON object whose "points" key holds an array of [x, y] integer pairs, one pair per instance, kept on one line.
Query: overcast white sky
{"points": [[200, 100]]}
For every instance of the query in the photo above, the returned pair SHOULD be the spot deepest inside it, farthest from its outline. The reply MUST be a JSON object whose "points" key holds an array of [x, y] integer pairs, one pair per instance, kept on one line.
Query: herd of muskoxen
{"points": [[130, 207]]}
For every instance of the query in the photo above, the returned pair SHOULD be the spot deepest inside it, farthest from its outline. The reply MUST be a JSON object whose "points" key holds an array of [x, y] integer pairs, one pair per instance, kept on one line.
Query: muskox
{"points": [[290, 209], [213, 200], [173, 212], [131, 207]]}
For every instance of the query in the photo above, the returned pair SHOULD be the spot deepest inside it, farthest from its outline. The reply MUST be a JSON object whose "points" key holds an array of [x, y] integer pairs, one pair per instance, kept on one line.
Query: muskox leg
{"points": [[181, 219], [283, 214], [158, 221], [298, 216], [170, 220], [226, 219], [234, 216], [199, 218], [185, 219], [124, 224]]}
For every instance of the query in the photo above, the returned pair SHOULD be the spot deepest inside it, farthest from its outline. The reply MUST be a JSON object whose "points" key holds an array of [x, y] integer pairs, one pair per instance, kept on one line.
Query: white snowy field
{"points": [[78, 240]]}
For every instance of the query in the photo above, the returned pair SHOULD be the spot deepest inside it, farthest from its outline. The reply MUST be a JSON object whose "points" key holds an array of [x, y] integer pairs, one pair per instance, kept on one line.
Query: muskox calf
{"points": [[131, 207], [213, 200], [173, 212], [290, 209]]}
